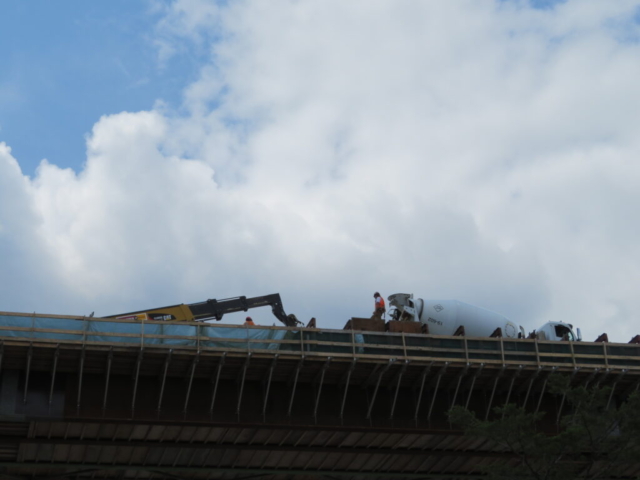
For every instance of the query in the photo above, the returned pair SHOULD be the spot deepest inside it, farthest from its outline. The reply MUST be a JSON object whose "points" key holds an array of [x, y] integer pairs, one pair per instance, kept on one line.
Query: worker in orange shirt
{"points": [[380, 308], [249, 322]]}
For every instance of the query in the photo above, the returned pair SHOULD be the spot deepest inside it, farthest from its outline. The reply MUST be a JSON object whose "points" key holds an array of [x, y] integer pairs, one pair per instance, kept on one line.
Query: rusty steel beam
{"points": [[165, 471], [41, 443]]}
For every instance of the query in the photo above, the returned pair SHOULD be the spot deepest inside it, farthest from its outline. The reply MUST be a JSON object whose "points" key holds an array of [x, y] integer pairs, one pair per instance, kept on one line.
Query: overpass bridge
{"points": [[96, 398]]}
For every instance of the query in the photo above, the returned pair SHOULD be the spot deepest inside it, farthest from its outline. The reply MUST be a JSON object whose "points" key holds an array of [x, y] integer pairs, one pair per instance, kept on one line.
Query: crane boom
{"points": [[216, 309]]}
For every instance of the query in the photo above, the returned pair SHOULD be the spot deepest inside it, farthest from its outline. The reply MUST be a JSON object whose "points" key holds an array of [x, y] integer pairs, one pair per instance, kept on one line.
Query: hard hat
{"points": [[249, 319], [376, 295]]}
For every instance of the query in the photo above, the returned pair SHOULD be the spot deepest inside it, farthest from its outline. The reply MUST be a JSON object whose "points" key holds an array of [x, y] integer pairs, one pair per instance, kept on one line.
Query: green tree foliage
{"points": [[596, 439]]}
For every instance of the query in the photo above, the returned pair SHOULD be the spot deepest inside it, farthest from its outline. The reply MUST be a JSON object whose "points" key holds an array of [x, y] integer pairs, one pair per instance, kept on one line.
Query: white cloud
{"points": [[472, 150]]}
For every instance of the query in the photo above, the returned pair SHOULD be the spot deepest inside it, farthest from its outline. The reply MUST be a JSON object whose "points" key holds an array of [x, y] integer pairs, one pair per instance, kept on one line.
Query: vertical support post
{"points": [[1, 353], [375, 391], [473, 382], [322, 372], [606, 373], [513, 379], [244, 375], [462, 373], [353, 343], [564, 395], [295, 383], [544, 386], [106, 382], [167, 362], [493, 390], [533, 378], [424, 378], [346, 386], [613, 387], [80, 373], [27, 372], [215, 385], [194, 364], [135, 382], [395, 396], [266, 395], [56, 355], [435, 390]]}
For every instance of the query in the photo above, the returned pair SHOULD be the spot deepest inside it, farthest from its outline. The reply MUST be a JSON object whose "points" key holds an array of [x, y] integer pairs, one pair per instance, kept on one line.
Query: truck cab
{"points": [[557, 331]]}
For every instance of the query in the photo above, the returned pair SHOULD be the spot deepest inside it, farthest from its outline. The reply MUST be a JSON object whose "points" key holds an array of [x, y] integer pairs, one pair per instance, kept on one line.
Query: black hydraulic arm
{"points": [[217, 308]]}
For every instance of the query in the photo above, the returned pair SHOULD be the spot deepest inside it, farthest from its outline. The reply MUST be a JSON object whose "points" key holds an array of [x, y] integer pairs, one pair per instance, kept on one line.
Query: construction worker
{"points": [[249, 322], [380, 308]]}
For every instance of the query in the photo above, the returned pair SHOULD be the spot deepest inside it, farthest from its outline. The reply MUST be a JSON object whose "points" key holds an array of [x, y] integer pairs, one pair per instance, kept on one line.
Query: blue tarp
{"points": [[105, 331]]}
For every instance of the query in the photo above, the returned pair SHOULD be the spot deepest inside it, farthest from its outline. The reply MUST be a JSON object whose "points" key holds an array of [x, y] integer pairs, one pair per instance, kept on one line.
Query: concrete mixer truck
{"points": [[453, 317]]}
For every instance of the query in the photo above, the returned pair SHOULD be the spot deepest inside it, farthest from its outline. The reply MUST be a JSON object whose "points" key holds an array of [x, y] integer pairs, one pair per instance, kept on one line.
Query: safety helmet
{"points": [[376, 295]]}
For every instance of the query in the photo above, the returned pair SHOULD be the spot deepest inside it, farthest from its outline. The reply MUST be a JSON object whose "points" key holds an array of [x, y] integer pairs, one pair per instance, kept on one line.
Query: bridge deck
{"points": [[92, 397]]}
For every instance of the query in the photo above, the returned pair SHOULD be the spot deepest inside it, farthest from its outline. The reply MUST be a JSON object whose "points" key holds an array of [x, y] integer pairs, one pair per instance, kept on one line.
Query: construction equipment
{"points": [[453, 317], [213, 309]]}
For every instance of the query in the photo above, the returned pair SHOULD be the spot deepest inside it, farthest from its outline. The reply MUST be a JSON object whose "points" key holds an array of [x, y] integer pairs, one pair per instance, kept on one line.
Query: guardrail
{"points": [[36, 328]]}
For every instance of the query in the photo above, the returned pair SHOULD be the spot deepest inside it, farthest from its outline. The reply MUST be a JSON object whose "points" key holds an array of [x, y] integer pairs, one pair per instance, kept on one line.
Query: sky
{"points": [[163, 152]]}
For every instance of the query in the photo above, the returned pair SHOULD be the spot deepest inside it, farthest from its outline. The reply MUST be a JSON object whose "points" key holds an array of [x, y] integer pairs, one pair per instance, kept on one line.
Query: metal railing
{"points": [[202, 337]]}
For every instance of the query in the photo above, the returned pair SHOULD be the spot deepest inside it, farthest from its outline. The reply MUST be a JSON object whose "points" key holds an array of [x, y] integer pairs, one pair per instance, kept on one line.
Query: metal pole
{"points": [[395, 396], [324, 369], [435, 391], [462, 373], [295, 383], [375, 392], [473, 382], [533, 378], [346, 387], [167, 361], [424, 377], [493, 391], [135, 382], [194, 364], [544, 385], [28, 371], [81, 370], [215, 385], [244, 375], [513, 379], [56, 355], [106, 383], [266, 395]]}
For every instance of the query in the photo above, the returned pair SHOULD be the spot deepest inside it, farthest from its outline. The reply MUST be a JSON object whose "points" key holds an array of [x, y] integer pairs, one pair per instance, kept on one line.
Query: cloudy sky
{"points": [[155, 152]]}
